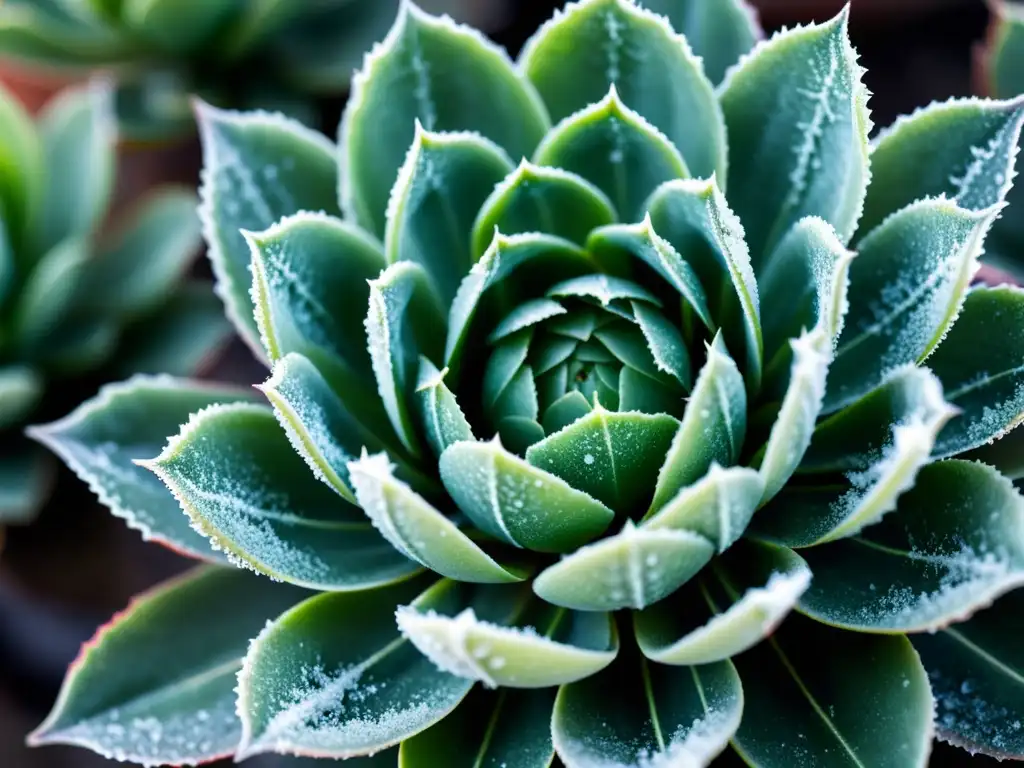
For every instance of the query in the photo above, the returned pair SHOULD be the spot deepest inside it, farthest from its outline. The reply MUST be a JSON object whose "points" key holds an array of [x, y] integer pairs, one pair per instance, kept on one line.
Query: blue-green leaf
{"points": [[237, 478], [615, 149], [440, 416], [797, 121], [575, 57], [448, 77], [441, 186], [21, 388], [258, 168], [907, 285], [534, 198], [518, 503]]}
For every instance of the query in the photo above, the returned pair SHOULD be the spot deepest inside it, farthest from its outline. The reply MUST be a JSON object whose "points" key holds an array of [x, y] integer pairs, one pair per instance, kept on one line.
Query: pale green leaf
{"points": [[156, 685], [694, 216], [657, 716], [963, 149], [179, 27], [615, 149], [418, 530], [632, 569], [575, 57], [612, 456], [21, 388], [534, 198], [864, 702], [441, 186], [102, 438], [715, 617], [797, 121], [439, 412], [561, 647], [712, 430], [450, 78], [22, 161], [257, 169], [405, 320], [343, 647], [237, 478], [45, 299], [907, 285], [954, 544], [517, 502]]}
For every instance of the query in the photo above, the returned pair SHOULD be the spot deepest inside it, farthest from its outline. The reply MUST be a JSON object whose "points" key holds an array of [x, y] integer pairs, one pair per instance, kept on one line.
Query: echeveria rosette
{"points": [[276, 54], [80, 303], [601, 405]]}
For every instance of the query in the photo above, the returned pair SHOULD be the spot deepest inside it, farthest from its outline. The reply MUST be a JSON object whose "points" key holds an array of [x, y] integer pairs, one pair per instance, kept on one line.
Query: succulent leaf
{"points": [[574, 58]]}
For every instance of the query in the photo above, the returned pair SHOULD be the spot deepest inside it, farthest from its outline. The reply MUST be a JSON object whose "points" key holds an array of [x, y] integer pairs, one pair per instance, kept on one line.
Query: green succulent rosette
{"points": [[82, 302], [618, 420], [275, 54]]}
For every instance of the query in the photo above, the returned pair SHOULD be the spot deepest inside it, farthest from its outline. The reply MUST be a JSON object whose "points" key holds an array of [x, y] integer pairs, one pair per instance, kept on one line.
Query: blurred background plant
{"points": [[81, 563]]}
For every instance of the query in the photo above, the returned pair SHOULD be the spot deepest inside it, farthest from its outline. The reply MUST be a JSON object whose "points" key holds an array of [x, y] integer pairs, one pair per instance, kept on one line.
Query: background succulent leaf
{"points": [[142, 267], [343, 647], [963, 149], [797, 121], [405, 320], [26, 475], [258, 168], [167, 666], [176, 26], [23, 163], [534, 198], [632, 569], [954, 543], [866, 702], [1006, 454], [77, 132], [696, 219], [719, 31], [505, 727], [907, 285], [443, 420], [131, 420], [641, 241], [975, 672], [178, 338], [715, 617], [518, 502], [616, 150], [892, 453], [981, 372], [234, 474], [611, 456], [507, 650], [718, 506], [712, 429], [441, 186], [48, 34], [594, 44], [21, 388], [448, 77], [46, 297], [659, 714], [417, 529]]}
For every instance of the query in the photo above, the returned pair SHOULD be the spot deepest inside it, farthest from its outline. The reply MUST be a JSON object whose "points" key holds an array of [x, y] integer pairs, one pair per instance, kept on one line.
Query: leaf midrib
{"points": [[1003, 668]]}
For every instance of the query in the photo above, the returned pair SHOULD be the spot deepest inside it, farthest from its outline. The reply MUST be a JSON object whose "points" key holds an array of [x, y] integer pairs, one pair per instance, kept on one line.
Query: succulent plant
{"points": [[240, 53], [611, 416], [79, 306]]}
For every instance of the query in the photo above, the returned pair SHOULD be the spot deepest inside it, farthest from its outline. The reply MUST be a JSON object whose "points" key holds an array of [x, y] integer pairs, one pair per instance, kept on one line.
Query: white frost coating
{"points": [[369, 475], [219, 157], [445, 641], [409, 11], [604, 288], [613, 107], [54, 436], [690, 746], [876, 490], [791, 434], [741, 626]]}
